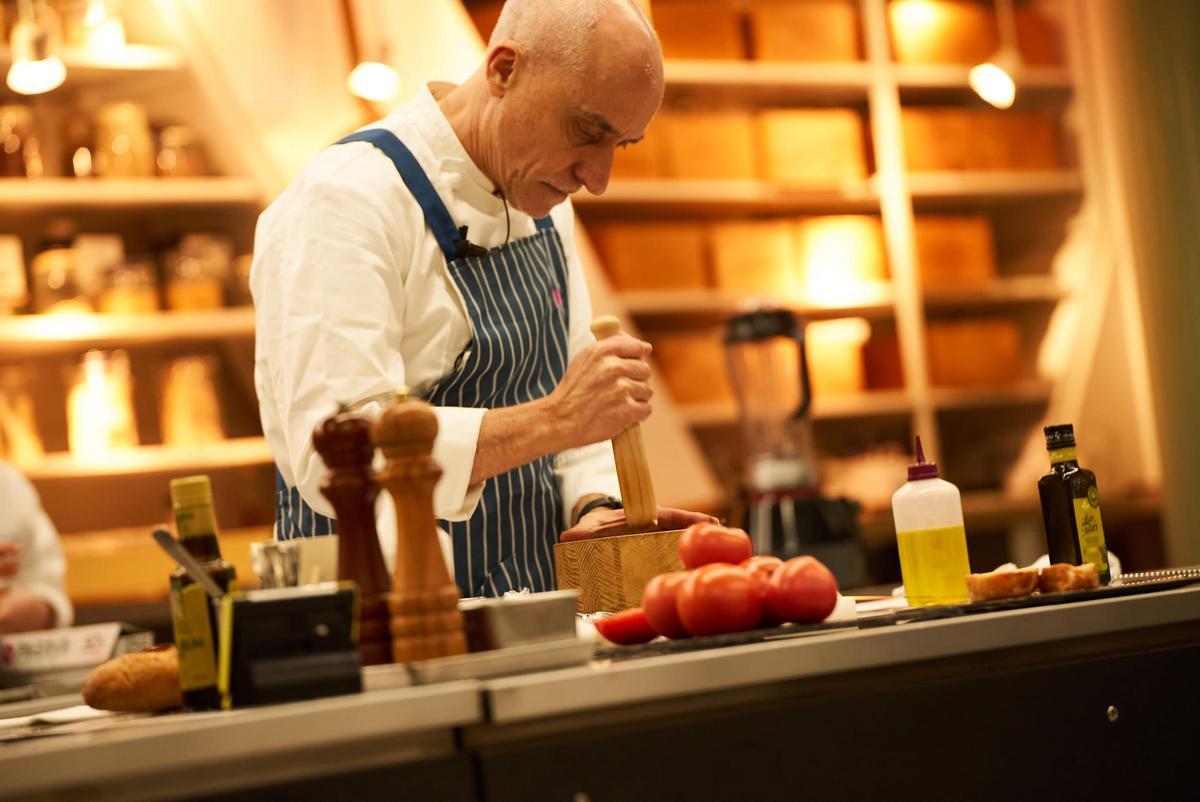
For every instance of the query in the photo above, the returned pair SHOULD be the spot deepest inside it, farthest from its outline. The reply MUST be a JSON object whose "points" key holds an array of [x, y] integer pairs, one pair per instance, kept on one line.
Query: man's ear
{"points": [[503, 63]]}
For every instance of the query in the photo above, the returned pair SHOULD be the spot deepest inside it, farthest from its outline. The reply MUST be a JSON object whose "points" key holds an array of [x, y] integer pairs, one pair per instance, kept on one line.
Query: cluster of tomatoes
{"points": [[726, 589]]}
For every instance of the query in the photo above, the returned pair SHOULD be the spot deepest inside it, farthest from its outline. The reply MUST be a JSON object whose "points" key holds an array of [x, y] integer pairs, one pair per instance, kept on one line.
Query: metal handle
{"points": [[172, 547]]}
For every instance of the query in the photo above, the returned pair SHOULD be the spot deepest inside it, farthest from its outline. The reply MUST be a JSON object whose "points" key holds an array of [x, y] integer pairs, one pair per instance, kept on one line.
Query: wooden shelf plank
{"points": [[1008, 291], [1034, 391], [20, 194], [238, 452], [997, 185], [33, 334], [89, 67], [652, 303], [665, 196], [770, 82], [865, 405], [955, 76]]}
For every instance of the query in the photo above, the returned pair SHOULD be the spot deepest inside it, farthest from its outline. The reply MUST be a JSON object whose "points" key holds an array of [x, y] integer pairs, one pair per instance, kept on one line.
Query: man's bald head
{"points": [[568, 33]]}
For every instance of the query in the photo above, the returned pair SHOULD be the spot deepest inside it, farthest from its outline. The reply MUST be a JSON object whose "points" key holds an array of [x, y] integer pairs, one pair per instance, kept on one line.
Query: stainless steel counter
{"points": [[611, 684], [191, 754]]}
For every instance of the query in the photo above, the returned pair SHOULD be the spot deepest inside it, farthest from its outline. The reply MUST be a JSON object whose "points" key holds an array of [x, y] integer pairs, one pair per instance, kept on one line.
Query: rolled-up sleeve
{"points": [[589, 469], [43, 568], [329, 287]]}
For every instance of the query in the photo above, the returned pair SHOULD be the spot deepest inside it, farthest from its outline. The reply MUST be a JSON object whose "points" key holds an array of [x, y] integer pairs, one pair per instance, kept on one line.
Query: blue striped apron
{"points": [[515, 297]]}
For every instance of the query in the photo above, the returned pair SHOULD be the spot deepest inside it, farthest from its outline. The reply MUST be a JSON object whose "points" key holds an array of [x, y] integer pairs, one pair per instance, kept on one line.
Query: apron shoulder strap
{"points": [[437, 216]]}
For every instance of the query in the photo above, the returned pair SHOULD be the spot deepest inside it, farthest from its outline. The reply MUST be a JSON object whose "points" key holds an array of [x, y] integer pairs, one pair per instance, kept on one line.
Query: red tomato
{"points": [[803, 590], [717, 599], [705, 543], [659, 602], [626, 627], [760, 567]]}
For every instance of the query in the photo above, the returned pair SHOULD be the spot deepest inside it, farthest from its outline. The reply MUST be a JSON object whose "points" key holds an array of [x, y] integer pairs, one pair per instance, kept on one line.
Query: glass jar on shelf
{"points": [[130, 288], [55, 274], [191, 412], [20, 147], [14, 288], [180, 153], [197, 272], [92, 24], [20, 442], [239, 291], [100, 417], [78, 145], [124, 144]]}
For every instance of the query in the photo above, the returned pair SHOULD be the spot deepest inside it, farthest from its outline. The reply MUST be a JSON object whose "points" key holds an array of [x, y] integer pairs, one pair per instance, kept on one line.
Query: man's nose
{"points": [[594, 169]]}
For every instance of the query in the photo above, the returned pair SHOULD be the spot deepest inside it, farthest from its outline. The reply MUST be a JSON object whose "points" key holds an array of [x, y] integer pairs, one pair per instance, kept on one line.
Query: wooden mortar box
{"points": [[974, 353], [804, 30], [648, 158], [698, 29], [960, 139], [693, 364], [811, 146], [612, 572], [845, 249], [709, 144], [954, 250], [653, 256], [943, 31], [756, 257]]}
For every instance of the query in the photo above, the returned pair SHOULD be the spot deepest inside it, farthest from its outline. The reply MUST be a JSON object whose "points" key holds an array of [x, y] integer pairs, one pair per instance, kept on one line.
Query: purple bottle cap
{"points": [[922, 469]]}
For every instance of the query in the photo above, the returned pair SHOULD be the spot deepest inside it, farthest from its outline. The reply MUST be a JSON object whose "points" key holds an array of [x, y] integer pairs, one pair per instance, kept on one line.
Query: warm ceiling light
{"points": [[36, 67], [374, 80], [993, 80], [993, 83]]}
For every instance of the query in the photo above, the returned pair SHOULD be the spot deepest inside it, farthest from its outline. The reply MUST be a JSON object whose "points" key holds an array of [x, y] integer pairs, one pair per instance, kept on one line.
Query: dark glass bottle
{"points": [[192, 616], [1071, 506]]}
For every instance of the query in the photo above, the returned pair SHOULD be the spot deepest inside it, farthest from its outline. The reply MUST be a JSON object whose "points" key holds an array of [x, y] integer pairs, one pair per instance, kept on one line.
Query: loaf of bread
{"points": [[1064, 576], [141, 682], [1002, 584]]}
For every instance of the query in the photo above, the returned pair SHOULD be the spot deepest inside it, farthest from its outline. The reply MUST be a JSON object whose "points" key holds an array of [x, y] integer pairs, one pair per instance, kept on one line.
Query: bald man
{"points": [[435, 249]]}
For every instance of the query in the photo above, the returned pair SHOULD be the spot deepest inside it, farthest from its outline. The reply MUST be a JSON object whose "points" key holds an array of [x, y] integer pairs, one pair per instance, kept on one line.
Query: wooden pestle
{"points": [[629, 450], [344, 442], [425, 621]]}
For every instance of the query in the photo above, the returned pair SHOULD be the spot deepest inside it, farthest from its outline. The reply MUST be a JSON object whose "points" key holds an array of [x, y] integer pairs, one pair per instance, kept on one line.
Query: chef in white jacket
{"points": [[32, 591], [435, 249]]}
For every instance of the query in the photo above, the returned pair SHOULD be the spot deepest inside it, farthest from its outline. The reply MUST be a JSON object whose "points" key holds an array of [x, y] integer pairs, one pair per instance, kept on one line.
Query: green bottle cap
{"points": [[191, 491]]}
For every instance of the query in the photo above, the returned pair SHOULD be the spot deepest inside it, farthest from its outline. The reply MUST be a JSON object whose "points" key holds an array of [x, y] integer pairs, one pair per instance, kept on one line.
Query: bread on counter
{"points": [[141, 682], [1002, 584], [1064, 576]]}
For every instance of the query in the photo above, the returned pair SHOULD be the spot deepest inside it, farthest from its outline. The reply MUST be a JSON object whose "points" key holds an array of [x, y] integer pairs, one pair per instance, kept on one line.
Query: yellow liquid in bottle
{"points": [[934, 565]]}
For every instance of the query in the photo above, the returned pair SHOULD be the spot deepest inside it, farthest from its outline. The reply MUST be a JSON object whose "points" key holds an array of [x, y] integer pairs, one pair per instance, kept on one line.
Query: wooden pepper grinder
{"points": [[425, 622], [629, 451], [344, 442]]}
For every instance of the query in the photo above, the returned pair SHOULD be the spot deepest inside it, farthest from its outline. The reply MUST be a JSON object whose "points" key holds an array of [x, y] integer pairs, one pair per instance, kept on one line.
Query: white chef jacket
{"points": [[353, 299], [25, 523]]}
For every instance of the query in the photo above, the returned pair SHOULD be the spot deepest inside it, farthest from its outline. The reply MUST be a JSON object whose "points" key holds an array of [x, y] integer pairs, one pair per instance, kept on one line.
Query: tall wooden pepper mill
{"points": [[344, 441], [426, 622]]}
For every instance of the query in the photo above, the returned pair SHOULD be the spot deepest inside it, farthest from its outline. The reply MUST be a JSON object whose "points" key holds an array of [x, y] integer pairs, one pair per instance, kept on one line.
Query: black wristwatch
{"points": [[596, 503]]}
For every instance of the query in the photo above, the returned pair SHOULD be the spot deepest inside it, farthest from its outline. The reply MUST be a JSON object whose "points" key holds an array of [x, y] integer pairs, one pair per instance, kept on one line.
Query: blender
{"points": [[783, 509]]}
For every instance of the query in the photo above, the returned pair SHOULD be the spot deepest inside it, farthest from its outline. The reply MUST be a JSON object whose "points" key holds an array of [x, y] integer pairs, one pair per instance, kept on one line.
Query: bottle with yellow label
{"points": [[931, 537], [1071, 506], [191, 614]]}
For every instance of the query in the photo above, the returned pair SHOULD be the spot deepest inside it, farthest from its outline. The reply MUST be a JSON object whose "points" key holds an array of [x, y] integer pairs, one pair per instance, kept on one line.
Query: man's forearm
{"points": [[510, 437], [22, 611]]}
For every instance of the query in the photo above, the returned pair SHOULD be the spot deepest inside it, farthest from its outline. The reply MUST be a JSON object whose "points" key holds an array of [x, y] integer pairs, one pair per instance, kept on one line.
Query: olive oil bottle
{"points": [[1071, 506], [191, 613]]}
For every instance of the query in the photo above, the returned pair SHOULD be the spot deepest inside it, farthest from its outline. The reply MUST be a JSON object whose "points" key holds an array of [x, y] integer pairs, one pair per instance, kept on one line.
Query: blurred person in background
{"points": [[32, 569]]}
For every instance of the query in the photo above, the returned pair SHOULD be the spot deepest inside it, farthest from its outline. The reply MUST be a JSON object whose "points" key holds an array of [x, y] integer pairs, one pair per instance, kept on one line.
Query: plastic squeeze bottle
{"points": [[931, 536]]}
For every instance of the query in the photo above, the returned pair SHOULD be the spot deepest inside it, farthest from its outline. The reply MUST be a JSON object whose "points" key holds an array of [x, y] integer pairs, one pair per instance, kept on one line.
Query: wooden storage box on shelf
{"points": [[693, 363], [840, 258], [811, 146], [804, 30], [960, 139], [699, 29], [835, 356], [485, 13], [756, 257], [648, 158], [943, 31], [1039, 37], [653, 256], [953, 250], [974, 353], [711, 145]]}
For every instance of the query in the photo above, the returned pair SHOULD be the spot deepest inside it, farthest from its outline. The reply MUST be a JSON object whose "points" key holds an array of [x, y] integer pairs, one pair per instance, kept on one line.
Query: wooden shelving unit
{"points": [[726, 197], [238, 452], [864, 405], [657, 303], [998, 186], [23, 195], [42, 334], [85, 67]]}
